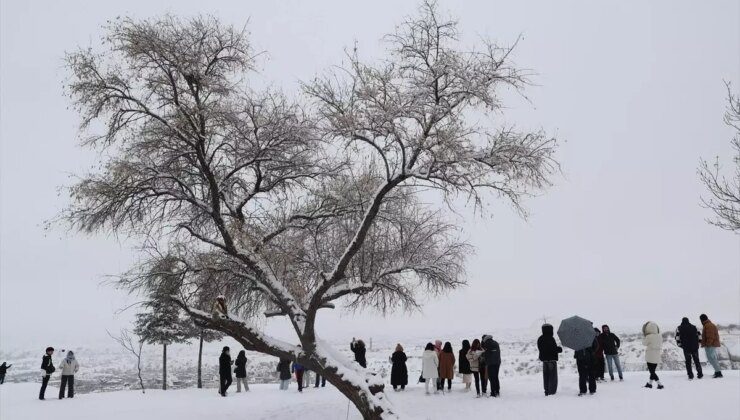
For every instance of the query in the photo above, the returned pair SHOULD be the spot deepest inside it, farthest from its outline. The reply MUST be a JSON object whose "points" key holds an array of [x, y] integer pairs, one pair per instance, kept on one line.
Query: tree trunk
{"points": [[164, 367], [200, 360]]}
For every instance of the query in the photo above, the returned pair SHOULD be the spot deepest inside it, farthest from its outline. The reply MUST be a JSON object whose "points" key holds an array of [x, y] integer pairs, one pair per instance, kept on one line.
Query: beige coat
{"points": [[653, 342], [69, 368]]}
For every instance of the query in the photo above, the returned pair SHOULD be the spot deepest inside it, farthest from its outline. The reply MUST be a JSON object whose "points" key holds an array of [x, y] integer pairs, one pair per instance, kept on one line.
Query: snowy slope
{"points": [[522, 398]]}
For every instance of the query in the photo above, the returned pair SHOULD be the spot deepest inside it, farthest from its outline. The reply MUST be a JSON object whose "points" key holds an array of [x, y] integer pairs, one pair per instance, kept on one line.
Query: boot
{"points": [[649, 384], [660, 386]]}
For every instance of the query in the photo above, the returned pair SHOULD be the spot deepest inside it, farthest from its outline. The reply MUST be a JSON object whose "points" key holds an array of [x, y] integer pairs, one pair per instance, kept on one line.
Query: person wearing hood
{"points": [[399, 371], [585, 359], [240, 371], [473, 356], [224, 371], [69, 367], [653, 342], [549, 351], [687, 338], [464, 365], [600, 362], [710, 342], [438, 350], [219, 310], [3, 370], [492, 354], [358, 348], [283, 369], [611, 343], [429, 367], [47, 368]]}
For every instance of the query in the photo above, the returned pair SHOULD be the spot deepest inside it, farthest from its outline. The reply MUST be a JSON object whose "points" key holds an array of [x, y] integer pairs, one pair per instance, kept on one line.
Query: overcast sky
{"points": [[633, 89]]}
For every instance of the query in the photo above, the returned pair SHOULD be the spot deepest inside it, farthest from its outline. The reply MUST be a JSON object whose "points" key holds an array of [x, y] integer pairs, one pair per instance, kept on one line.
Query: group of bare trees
{"points": [[288, 206]]}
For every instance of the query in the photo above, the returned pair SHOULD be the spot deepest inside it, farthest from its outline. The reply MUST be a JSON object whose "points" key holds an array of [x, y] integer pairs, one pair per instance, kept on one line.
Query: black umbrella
{"points": [[576, 333]]}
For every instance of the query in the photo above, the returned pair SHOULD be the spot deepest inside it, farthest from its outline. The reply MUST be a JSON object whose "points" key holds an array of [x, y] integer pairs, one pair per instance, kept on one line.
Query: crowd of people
{"points": [[478, 363]]}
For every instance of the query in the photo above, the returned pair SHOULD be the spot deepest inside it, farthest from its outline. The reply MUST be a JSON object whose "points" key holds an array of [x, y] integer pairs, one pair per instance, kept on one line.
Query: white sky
{"points": [[635, 91]]}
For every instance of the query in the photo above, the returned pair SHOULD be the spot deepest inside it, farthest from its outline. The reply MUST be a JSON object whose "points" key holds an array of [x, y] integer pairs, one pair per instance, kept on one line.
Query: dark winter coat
{"points": [[4, 368], [359, 352], [463, 363], [399, 372], [47, 365], [284, 368], [610, 342], [547, 345], [224, 365], [492, 352], [710, 336], [687, 336], [588, 354], [241, 366]]}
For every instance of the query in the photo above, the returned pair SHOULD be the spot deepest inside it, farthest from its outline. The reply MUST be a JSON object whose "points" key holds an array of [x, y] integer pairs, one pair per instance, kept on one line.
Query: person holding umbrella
{"points": [[578, 334]]}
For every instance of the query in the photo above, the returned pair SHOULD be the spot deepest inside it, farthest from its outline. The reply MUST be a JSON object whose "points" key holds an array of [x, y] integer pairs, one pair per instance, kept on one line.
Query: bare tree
{"points": [[724, 193], [125, 340], [285, 207]]}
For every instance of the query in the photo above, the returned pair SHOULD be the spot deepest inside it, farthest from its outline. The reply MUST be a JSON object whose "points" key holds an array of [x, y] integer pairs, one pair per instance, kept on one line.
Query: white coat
{"points": [[429, 365], [69, 368], [473, 357], [653, 342]]}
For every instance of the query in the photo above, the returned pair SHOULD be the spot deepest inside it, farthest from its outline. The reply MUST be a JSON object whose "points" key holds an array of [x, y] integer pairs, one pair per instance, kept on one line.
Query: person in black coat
{"points": [[610, 342], [240, 371], [224, 371], [549, 351], [358, 348], [47, 368], [492, 354], [399, 372], [463, 365], [3, 370], [585, 359], [283, 369], [687, 337]]}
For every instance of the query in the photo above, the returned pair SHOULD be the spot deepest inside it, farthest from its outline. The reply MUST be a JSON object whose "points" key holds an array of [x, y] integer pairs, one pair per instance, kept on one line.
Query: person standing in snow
{"points": [[549, 351], [600, 362], [653, 342], [710, 342], [219, 310], [224, 371], [611, 343], [283, 369], [47, 368], [3, 370], [438, 350], [298, 369], [482, 367], [321, 379], [473, 357], [68, 367], [464, 365], [585, 359], [240, 371], [687, 338], [429, 367], [399, 371], [446, 365], [358, 348], [492, 354]]}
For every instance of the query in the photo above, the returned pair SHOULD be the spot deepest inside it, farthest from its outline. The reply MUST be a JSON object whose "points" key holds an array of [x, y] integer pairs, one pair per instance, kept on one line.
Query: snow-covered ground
{"points": [[521, 398]]}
